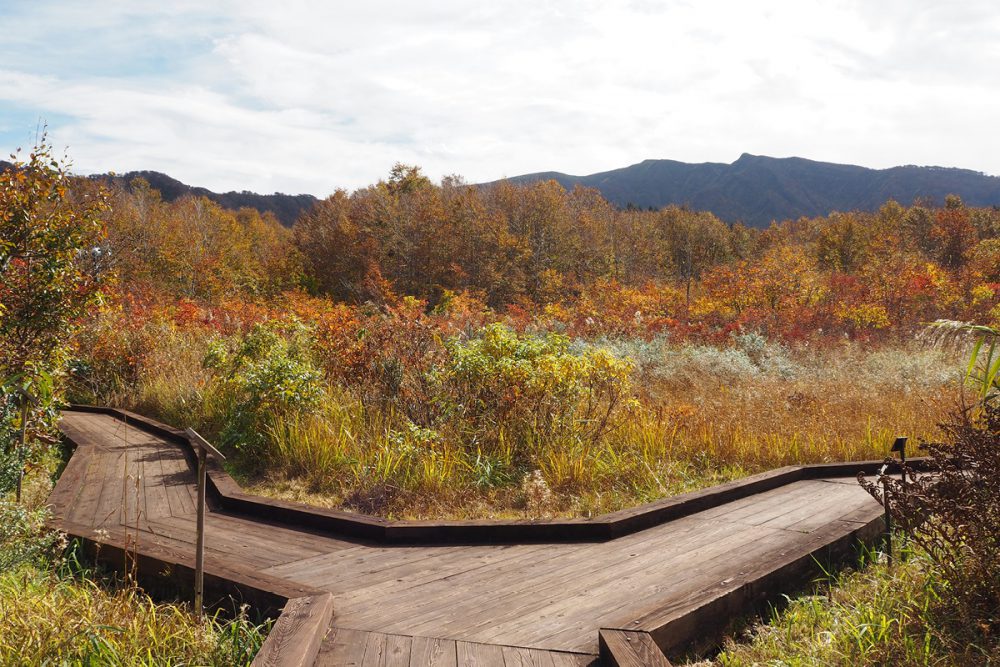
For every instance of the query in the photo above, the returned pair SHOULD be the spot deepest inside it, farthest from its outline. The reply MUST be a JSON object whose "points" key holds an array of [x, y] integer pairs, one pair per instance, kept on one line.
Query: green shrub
{"points": [[23, 538], [528, 390], [266, 374]]}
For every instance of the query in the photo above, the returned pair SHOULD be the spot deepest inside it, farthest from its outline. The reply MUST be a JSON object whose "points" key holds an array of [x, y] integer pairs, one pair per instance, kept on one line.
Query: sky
{"points": [[308, 97]]}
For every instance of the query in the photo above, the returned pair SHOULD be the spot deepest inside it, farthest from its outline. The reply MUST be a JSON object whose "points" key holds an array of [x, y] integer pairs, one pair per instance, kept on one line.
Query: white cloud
{"points": [[301, 96]]}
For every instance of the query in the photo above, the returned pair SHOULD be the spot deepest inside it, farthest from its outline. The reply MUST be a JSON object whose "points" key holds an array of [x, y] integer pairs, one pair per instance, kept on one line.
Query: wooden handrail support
{"points": [[295, 638], [627, 648]]}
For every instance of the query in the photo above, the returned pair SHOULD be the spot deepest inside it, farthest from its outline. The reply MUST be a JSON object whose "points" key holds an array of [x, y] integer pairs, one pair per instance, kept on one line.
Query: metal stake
{"points": [[888, 519], [900, 446], [199, 552], [204, 449]]}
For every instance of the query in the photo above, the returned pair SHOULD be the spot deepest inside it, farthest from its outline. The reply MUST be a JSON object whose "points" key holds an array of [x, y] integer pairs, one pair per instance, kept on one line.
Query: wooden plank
{"points": [[569, 621], [479, 655], [342, 648], [622, 648], [527, 657], [85, 509], [430, 652], [583, 568], [701, 612], [491, 591], [374, 650], [833, 506], [397, 650], [167, 559], [562, 659], [296, 637], [163, 502], [68, 487], [264, 549]]}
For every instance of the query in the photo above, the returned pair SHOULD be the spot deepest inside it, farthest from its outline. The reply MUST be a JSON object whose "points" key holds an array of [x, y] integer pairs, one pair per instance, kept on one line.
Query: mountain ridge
{"points": [[757, 189], [286, 208], [754, 189]]}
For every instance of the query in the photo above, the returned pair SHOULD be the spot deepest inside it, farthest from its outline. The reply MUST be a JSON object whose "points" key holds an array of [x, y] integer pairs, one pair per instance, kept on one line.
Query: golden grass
{"points": [[879, 615], [696, 427], [54, 612], [57, 619], [704, 415]]}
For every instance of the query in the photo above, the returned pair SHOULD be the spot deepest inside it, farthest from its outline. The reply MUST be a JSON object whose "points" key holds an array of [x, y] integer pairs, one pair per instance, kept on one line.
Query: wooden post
{"points": [[204, 449], [900, 446]]}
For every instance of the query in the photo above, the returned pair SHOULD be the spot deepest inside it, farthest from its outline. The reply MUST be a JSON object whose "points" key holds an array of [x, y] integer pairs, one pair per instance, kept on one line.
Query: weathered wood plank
{"points": [[621, 648], [374, 650], [429, 652], [397, 650], [295, 638], [342, 648], [479, 655]]}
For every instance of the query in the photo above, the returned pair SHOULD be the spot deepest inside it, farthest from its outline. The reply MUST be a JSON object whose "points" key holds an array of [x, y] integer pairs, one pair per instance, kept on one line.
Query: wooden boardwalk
{"points": [[454, 604]]}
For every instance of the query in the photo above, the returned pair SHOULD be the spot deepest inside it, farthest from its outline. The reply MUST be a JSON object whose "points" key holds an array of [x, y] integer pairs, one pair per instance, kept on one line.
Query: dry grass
{"points": [[702, 415], [881, 615], [700, 423], [52, 611], [52, 618]]}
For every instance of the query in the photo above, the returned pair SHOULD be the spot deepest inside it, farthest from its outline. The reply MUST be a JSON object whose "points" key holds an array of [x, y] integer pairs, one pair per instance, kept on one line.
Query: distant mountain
{"points": [[286, 208], [756, 189]]}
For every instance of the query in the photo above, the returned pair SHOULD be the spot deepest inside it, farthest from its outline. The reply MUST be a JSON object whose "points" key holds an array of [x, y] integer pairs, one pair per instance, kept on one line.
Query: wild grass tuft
{"points": [[53, 611], [879, 615]]}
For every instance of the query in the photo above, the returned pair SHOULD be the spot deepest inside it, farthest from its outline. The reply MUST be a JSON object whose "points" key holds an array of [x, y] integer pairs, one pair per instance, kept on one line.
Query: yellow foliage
{"points": [[863, 316]]}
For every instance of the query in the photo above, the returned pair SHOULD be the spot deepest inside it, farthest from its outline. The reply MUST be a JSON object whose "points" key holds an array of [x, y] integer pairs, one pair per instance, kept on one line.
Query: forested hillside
{"points": [[582, 261], [758, 190]]}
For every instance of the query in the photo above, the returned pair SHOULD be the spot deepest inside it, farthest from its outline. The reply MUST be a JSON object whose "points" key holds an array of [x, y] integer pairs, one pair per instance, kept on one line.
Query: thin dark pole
{"points": [[204, 448], [22, 447], [199, 554], [888, 519]]}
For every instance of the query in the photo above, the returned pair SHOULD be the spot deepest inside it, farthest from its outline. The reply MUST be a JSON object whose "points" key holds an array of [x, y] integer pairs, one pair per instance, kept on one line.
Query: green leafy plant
{"points": [[268, 374], [529, 389], [983, 370]]}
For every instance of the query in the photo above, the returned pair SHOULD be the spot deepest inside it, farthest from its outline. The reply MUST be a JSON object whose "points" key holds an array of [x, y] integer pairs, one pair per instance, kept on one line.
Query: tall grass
{"points": [[55, 612], [696, 415], [880, 615], [698, 424], [53, 618]]}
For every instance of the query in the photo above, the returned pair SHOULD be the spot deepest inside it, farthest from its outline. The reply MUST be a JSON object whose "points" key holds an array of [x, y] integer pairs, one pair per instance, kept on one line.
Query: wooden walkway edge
{"points": [[230, 496], [623, 588]]}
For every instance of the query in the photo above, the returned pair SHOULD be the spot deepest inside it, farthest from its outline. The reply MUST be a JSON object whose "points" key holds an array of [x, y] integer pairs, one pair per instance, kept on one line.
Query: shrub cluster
{"points": [[953, 516]]}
